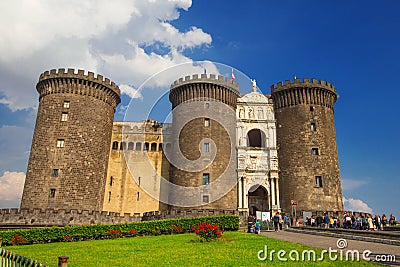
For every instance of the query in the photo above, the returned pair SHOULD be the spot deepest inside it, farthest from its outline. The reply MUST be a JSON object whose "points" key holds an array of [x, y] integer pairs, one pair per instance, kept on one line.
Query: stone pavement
{"points": [[324, 242]]}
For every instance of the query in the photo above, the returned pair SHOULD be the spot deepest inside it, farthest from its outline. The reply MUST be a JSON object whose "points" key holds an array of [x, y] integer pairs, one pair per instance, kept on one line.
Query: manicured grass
{"points": [[233, 249]]}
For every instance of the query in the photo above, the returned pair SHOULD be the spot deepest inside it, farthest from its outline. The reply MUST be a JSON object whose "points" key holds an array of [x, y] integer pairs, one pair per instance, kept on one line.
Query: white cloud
{"points": [[351, 204], [11, 187], [129, 91], [113, 38], [350, 184]]}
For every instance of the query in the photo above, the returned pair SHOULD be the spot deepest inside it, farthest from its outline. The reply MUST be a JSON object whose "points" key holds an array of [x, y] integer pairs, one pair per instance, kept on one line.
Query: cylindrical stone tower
{"points": [[70, 148], [306, 137], [203, 160]]}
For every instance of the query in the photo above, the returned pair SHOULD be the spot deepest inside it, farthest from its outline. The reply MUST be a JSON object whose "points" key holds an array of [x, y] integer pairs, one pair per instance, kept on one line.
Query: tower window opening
{"points": [[137, 196], [206, 122], [109, 196], [139, 181], [146, 146], [60, 142], [206, 199], [55, 172], [318, 181], [115, 145], [206, 178], [64, 116], [206, 147], [313, 126], [111, 181], [207, 105], [311, 108], [52, 193], [66, 104], [314, 151]]}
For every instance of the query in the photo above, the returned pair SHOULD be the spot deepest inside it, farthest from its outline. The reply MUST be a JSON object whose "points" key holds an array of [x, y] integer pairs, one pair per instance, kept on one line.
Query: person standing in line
{"points": [[370, 223]]}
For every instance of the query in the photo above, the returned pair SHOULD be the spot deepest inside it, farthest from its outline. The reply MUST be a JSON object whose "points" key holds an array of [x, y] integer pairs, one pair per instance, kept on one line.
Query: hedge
{"points": [[102, 231]]}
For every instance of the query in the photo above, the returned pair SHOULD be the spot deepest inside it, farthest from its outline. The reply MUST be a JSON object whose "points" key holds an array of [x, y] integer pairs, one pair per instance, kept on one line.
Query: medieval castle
{"points": [[222, 151]]}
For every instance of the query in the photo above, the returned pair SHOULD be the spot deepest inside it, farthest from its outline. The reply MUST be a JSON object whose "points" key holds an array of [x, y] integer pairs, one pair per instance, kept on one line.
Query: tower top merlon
{"points": [[298, 82], [80, 74], [207, 78]]}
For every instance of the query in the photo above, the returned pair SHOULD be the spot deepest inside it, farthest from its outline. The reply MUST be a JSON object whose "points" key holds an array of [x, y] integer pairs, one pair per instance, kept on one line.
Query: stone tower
{"points": [[70, 148], [306, 140], [203, 158]]}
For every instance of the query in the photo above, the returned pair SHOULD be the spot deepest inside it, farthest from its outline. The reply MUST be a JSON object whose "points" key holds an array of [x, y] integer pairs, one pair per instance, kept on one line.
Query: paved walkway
{"points": [[324, 242]]}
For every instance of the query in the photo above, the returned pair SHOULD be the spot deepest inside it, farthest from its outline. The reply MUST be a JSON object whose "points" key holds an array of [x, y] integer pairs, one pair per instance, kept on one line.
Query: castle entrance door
{"points": [[258, 199]]}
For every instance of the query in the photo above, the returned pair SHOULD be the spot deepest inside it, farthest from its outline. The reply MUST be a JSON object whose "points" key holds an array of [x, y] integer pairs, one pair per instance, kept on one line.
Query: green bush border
{"points": [[102, 231]]}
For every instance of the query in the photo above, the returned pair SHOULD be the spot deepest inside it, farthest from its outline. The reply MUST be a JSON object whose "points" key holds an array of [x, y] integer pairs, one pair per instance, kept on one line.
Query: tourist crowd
{"points": [[362, 222]]}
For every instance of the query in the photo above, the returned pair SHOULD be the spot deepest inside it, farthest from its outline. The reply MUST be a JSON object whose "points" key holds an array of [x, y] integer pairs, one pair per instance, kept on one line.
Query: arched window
{"points": [[160, 147], [130, 145], [146, 146], [123, 146], [115, 145], [153, 146], [138, 146], [256, 138]]}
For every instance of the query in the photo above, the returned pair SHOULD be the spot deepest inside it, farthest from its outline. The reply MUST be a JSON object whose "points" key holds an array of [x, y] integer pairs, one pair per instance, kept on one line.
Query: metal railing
{"points": [[10, 259]]}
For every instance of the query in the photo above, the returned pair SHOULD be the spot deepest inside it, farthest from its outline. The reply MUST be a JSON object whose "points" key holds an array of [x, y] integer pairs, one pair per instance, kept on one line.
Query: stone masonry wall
{"points": [[84, 124]]}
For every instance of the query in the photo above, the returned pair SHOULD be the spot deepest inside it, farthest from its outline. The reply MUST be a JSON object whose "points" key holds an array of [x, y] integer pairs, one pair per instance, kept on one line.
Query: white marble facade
{"points": [[258, 187]]}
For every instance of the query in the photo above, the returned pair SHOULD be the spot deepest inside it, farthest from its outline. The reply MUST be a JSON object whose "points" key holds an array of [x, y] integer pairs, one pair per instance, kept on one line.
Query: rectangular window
{"points": [[206, 178], [206, 199], [207, 122], [318, 181], [313, 127], [66, 104], [314, 151], [64, 116], [111, 181], [207, 105], [60, 142], [139, 181], [52, 193], [137, 196], [55, 172], [206, 147], [109, 197]]}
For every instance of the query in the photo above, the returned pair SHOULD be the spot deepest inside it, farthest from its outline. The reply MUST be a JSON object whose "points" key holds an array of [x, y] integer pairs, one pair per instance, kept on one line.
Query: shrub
{"points": [[207, 232], [101, 231]]}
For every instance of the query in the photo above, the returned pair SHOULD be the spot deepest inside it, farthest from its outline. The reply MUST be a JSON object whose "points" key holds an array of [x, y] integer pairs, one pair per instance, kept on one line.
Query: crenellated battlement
{"points": [[206, 78], [304, 91], [306, 82], [70, 73], [69, 81]]}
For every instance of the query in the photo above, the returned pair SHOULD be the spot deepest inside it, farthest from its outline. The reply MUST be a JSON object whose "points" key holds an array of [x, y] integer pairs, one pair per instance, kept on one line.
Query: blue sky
{"points": [[352, 44]]}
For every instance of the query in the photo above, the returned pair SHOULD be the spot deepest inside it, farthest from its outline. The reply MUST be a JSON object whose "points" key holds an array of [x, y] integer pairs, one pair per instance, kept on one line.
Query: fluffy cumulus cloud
{"points": [[125, 40], [11, 186], [356, 205]]}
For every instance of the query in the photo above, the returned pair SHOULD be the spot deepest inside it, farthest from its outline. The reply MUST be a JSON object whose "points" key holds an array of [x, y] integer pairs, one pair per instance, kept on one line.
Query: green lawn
{"points": [[233, 249]]}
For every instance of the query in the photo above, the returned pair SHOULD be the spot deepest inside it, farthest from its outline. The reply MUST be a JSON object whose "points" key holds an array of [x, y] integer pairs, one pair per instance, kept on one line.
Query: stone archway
{"points": [[258, 199]]}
